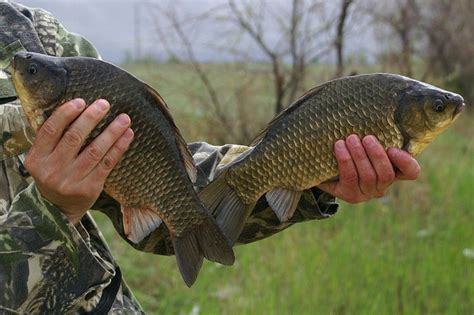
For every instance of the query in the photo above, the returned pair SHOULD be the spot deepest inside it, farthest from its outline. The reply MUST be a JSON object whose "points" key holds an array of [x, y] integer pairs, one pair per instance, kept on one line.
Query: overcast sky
{"points": [[109, 24]]}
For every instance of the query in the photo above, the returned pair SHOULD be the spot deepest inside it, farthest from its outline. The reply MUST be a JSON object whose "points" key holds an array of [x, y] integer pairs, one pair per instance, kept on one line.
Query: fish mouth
{"points": [[13, 64], [459, 109]]}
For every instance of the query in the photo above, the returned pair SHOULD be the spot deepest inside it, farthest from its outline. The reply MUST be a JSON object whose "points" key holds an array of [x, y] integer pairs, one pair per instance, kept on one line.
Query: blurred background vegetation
{"points": [[411, 252]]}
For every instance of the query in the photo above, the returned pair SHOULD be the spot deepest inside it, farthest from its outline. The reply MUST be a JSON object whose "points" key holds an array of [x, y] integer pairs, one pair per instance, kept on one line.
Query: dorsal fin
{"points": [[180, 142], [286, 112]]}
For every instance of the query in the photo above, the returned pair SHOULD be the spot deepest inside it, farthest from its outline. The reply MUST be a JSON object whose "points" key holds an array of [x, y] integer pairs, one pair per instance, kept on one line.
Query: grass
{"points": [[403, 254]]}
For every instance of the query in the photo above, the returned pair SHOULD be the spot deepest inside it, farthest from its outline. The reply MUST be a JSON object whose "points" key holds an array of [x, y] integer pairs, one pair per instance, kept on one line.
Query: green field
{"points": [[411, 252]]}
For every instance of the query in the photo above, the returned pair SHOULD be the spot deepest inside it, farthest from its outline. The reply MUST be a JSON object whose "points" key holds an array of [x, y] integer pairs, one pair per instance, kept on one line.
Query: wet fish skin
{"points": [[152, 180], [295, 152]]}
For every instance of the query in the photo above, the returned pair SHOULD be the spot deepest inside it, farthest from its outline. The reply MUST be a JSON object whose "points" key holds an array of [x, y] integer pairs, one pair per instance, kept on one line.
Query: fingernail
{"points": [[340, 144], [353, 139], [128, 134], [369, 141], [78, 103], [394, 152], [103, 104], [123, 119]]}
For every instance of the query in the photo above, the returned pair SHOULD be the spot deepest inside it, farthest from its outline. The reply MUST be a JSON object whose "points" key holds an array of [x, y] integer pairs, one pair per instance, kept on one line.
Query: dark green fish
{"points": [[295, 152], [152, 180]]}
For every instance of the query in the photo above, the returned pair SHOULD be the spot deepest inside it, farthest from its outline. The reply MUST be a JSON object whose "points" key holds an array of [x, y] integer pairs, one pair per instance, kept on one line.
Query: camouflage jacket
{"points": [[49, 266]]}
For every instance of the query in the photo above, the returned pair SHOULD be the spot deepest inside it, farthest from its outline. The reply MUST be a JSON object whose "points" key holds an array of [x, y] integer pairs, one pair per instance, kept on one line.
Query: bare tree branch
{"points": [[198, 69], [403, 23], [279, 78], [339, 42]]}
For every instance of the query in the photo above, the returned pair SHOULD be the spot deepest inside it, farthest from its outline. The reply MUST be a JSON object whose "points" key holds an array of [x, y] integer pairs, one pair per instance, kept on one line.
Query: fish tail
{"points": [[206, 240], [226, 206]]}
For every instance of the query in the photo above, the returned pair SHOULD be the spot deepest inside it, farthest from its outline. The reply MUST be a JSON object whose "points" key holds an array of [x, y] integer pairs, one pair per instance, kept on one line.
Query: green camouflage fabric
{"points": [[47, 265]]}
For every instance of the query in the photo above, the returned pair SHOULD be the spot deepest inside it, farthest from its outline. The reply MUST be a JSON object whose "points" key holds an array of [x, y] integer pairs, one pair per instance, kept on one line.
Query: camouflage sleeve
{"points": [[54, 39], [47, 266], [35, 30], [262, 223], [57, 41]]}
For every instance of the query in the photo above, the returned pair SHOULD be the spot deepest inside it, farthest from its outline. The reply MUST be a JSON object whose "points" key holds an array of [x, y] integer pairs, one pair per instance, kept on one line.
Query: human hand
{"points": [[70, 179], [366, 170]]}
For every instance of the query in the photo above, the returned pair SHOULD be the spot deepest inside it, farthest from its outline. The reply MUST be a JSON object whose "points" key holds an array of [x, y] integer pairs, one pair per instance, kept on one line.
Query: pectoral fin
{"points": [[283, 202], [139, 222]]}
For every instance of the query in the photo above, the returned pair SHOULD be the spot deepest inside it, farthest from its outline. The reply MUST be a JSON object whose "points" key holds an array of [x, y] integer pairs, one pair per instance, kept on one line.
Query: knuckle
{"points": [[32, 169], [108, 162], [358, 154], [50, 181], [73, 138], [350, 177], [379, 154], [120, 147], [29, 164], [387, 178], [92, 114], [94, 152], [345, 161], [368, 178], [49, 128], [115, 130]]}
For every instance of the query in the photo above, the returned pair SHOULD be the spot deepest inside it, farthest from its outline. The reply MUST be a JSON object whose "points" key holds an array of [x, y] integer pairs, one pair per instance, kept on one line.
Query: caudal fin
{"points": [[214, 244], [188, 257], [206, 240], [224, 204]]}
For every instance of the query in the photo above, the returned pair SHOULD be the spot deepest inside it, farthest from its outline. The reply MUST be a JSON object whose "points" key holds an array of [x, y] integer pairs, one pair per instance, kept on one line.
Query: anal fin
{"points": [[139, 222], [283, 202]]}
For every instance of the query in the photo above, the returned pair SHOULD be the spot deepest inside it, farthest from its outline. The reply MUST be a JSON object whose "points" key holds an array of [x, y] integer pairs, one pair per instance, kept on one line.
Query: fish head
{"points": [[40, 82], [423, 112]]}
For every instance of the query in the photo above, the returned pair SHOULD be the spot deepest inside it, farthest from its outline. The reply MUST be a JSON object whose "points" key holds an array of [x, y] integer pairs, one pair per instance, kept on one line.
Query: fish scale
{"points": [[296, 151], [134, 191], [152, 179]]}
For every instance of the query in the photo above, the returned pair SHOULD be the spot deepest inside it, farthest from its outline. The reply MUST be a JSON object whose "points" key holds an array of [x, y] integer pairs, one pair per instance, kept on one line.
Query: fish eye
{"points": [[32, 69], [438, 106]]}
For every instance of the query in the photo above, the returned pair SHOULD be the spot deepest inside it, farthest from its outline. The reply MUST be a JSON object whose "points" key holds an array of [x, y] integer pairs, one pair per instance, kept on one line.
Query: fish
{"points": [[296, 150], [153, 179]]}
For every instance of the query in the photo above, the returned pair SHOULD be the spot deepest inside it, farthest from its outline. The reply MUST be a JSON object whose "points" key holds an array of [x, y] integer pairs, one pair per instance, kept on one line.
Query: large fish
{"points": [[295, 152], [152, 180]]}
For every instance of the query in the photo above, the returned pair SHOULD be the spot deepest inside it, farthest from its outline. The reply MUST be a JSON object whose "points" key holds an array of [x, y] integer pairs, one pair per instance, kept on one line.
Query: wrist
{"points": [[72, 215]]}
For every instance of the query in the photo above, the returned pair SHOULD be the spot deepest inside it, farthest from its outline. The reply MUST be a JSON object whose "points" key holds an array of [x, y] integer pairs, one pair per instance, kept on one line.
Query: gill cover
{"points": [[423, 112], [40, 80]]}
